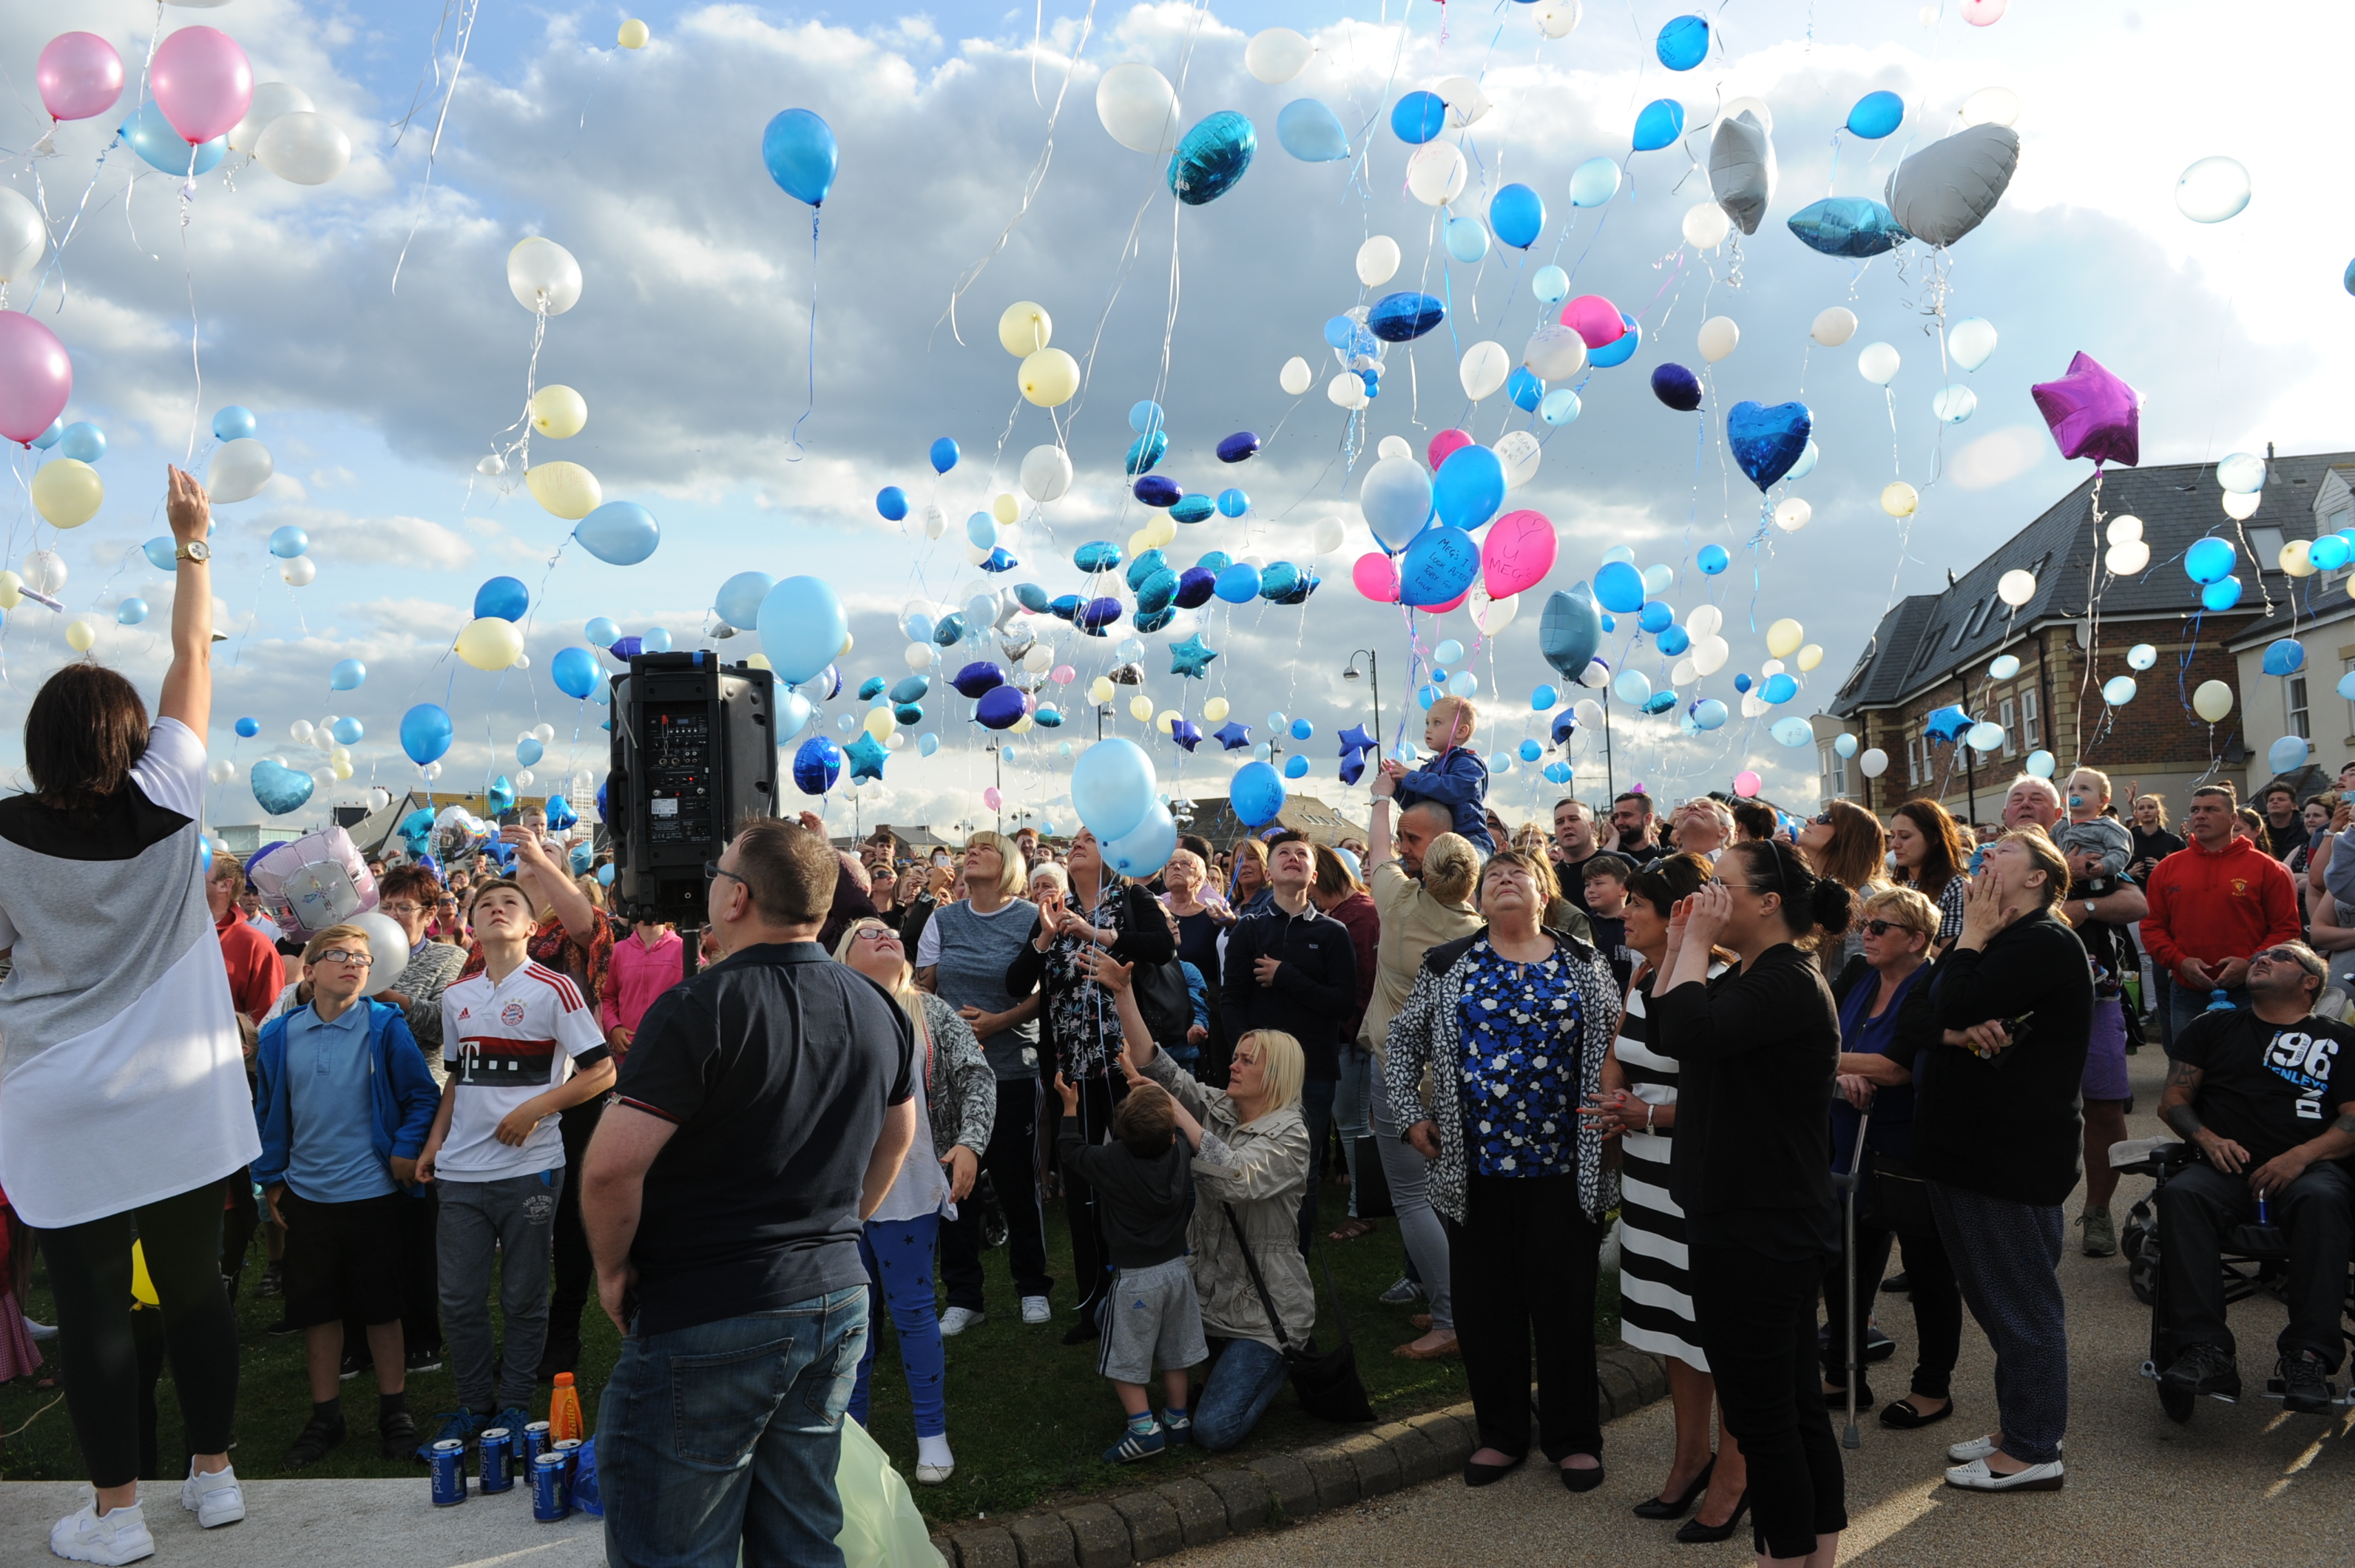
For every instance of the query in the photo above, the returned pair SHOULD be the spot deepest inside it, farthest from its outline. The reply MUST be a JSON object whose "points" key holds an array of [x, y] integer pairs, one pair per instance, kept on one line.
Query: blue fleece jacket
{"points": [[1458, 779], [400, 1090]]}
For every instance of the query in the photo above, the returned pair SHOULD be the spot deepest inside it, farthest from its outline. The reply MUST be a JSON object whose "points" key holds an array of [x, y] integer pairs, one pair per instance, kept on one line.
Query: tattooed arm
{"points": [[2175, 1108], [2278, 1172]]}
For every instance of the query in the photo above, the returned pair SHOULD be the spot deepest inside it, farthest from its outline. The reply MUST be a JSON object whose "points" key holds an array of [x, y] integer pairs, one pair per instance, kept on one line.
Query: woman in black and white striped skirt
{"points": [[1638, 1104]]}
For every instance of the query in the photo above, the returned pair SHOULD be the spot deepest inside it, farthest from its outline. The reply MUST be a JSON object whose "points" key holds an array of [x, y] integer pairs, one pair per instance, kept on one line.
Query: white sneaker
{"points": [[40, 1330], [1976, 1476], [215, 1498], [120, 1537], [934, 1463], [1036, 1310], [957, 1319], [934, 1474]]}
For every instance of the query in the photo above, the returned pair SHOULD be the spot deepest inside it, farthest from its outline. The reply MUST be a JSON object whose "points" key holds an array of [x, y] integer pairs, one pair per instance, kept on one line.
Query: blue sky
{"points": [[690, 344]]}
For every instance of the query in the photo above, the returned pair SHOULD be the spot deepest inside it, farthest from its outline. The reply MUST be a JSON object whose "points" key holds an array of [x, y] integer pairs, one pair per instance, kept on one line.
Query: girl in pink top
{"points": [[645, 966]]}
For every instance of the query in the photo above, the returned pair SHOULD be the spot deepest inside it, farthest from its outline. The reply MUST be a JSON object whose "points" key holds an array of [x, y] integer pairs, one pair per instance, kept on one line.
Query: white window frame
{"points": [[2005, 716], [1913, 762], [2297, 713], [2031, 729]]}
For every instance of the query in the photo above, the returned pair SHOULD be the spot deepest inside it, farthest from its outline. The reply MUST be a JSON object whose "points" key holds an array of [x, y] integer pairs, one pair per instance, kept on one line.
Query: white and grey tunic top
{"points": [[121, 1076]]}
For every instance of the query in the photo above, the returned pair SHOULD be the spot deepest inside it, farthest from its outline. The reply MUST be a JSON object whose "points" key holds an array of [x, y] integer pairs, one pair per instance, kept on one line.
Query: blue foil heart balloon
{"points": [[1767, 441], [279, 789]]}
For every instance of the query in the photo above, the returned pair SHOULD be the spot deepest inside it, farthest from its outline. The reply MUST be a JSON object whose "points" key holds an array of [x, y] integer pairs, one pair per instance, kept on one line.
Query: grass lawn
{"points": [[1028, 1417]]}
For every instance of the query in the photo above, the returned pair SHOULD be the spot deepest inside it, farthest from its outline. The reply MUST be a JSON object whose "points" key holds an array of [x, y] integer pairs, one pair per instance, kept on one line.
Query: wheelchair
{"points": [[2254, 1260]]}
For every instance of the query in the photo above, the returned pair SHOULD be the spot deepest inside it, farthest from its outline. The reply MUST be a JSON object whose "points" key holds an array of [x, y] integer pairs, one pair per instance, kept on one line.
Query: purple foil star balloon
{"points": [[2092, 413]]}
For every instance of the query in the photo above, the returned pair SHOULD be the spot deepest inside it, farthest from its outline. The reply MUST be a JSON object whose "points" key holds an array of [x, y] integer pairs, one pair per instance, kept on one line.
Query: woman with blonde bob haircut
{"points": [[1013, 872]]}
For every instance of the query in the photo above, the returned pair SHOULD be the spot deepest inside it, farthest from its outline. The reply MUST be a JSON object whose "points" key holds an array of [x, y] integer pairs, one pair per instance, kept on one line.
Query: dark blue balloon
{"points": [[944, 455], [502, 597], [1525, 389], [1194, 509], [1096, 555], [1158, 490], [1211, 158], [1195, 586], [1419, 116], [1742, 683], [1147, 450], [1000, 710], [627, 648], [1767, 441], [907, 715], [1404, 317], [892, 502], [1682, 43], [1307, 584], [1066, 606], [1097, 615], [1516, 214], [1677, 387], [801, 155], [816, 764], [977, 677], [1238, 447], [1851, 226], [1876, 114], [1144, 566]]}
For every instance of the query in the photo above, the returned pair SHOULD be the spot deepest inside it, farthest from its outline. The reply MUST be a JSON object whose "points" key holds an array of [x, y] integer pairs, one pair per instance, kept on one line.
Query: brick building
{"points": [[1937, 650]]}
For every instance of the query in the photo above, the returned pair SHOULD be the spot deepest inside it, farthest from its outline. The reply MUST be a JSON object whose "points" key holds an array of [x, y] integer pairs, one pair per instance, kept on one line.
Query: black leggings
{"points": [[1757, 1317], [90, 1271]]}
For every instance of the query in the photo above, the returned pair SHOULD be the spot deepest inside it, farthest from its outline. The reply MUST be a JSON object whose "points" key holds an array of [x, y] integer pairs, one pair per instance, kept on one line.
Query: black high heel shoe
{"points": [[1678, 1506], [1692, 1532]]}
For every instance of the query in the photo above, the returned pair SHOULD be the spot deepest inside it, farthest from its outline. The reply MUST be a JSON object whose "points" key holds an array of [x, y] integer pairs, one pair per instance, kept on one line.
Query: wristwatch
{"points": [[196, 550], [2089, 906]]}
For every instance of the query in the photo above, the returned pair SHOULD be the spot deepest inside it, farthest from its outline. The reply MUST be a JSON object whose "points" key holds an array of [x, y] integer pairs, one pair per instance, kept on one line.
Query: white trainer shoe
{"points": [[1976, 1476], [957, 1319], [1036, 1310], [215, 1498], [43, 1331], [119, 1537]]}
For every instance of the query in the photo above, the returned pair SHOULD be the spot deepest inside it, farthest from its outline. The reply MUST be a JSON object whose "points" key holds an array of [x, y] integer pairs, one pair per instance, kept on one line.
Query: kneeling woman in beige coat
{"points": [[1249, 1176]]}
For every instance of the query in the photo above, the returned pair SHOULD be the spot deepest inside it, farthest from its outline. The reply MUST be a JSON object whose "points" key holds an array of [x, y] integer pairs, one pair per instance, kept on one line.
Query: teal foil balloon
{"points": [[1213, 155]]}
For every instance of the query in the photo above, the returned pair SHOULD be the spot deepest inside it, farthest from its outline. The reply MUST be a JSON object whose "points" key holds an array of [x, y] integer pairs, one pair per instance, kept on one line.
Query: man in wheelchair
{"points": [[2267, 1094]]}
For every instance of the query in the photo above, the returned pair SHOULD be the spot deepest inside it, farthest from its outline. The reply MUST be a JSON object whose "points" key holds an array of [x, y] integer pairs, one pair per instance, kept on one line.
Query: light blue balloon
{"points": [[1844, 743], [1517, 215], [657, 640], [1542, 699], [1113, 787], [1876, 114], [981, 531], [82, 440], [739, 601], [1396, 501], [1714, 559], [1312, 133], [619, 533], [348, 731], [1709, 713], [1448, 651], [2221, 595], [1146, 847], [801, 155], [51, 436], [1632, 686], [1239, 583], [1530, 750], [348, 676], [1793, 732], [279, 789], [1549, 283], [2330, 552], [529, 750], [793, 714], [575, 672], [1469, 486], [802, 626], [2285, 656], [234, 422], [1619, 588], [1659, 577], [1466, 240], [1526, 392], [2288, 754], [426, 733], [131, 611], [1145, 416], [1808, 457], [2210, 560], [1233, 503], [601, 631], [927, 744], [1593, 183], [151, 137], [288, 542], [1559, 407], [160, 552], [2118, 690], [1780, 687], [1659, 124]]}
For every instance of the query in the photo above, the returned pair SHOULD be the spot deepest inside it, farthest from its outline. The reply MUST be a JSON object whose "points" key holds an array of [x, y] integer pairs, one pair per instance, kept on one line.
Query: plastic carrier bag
{"points": [[314, 882], [880, 1526]]}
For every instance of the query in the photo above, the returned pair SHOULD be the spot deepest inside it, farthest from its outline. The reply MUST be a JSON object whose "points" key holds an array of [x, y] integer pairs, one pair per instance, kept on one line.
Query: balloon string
{"points": [[195, 331], [794, 439], [472, 8]]}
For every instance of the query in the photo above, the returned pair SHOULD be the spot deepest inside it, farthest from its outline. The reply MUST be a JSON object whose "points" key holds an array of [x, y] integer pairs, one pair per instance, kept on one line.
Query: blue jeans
{"points": [[1243, 1381], [2184, 1003], [899, 1258], [1317, 1110], [1351, 1098], [726, 1435]]}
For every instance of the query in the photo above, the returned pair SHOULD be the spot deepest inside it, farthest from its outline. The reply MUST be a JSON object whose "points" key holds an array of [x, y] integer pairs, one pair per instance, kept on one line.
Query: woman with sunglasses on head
{"points": [[1637, 1106], [1757, 1051], [1886, 1022], [1846, 844], [956, 1102], [1931, 854]]}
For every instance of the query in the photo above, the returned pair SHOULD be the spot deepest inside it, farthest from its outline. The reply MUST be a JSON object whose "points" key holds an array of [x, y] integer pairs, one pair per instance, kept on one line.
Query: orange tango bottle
{"points": [[564, 1411]]}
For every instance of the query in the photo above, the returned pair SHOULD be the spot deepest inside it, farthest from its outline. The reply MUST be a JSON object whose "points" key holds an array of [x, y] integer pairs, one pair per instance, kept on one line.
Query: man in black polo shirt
{"points": [[1631, 821], [2268, 1093], [1574, 846], [763, 1113]]}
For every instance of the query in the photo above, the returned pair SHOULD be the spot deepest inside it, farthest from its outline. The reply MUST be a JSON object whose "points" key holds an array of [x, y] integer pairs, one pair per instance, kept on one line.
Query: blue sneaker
{"points": [[460, 1425], [1135, 1445], [1177, 1429], [515, 1418]]}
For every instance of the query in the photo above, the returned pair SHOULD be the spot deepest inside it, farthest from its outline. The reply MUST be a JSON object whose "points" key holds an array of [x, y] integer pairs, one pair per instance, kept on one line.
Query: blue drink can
{"points": [[449, 1473], [551, 1498], [499, 1461], [534, 1441], [2265, 1210]]}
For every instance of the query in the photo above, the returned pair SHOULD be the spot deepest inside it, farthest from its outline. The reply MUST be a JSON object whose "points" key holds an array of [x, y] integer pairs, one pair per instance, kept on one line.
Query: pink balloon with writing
{"points": [[80, 75], [1517, 553], [1375, 574], [1594, 319], [202, 82], [36, 377]]}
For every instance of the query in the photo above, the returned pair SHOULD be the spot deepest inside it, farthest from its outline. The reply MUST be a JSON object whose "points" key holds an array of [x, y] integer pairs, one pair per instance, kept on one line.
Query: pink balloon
{"points": [[36, 377], [80, 75], [1061, 675], [991, 798], [1594, 319], [1747, 783], [1444, 442], [202, 81], [1517, 553], [1375, 574]]}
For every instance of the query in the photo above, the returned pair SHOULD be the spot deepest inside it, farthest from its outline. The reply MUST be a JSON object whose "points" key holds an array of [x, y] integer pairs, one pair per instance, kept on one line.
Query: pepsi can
{"points": [[499, 1461], [569, 1450], [449, 1472], [551, 1497], [2265, 1210], [535, 1440]]}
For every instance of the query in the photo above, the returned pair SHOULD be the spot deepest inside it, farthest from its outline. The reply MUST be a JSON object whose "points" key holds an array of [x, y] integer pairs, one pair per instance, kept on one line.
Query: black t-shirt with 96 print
{"points": [[2268, 1087]]}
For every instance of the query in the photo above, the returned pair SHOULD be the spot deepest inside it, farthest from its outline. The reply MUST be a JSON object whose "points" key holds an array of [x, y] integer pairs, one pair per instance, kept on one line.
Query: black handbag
{"points": [[1896, 1199], [1328, 1383], [1372, 1185]]}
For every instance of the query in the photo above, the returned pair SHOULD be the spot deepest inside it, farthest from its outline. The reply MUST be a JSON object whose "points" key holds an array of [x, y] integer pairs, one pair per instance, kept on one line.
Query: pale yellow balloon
{"points": [[1139, 542], [1166, 720], [12, 591], [1021, 726], [1100, 689], [1158, 530], [844, 652], [1025, 329], [1049, 377], [79, 634], [558, 412], [1810, 657], [490, 643], [1140, 708], [1898, 498], [567, 489], [2297, 559], [2213, 700], [758, 661], [1006, 510], [1784, 637], [879, 723], [1215, 711], [341, 766], [68, 492], [634, 35]]}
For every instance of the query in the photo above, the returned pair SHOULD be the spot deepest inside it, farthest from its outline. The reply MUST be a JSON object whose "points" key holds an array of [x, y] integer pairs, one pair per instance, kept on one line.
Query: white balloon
{"points": [[1557, 18], [1518, 450], [24, 238], [1393, 446], [1971, 341], [1046, 472], [239, 471], [1706, 225], [2243, 471], [543, 733], [303, 148], [45, 572], [1484, 368], [1704, 621], [432, 771], [525, 778], [301, 731], [298, 572], [2240, 506], [1791, 513], [1685, 672], [2127, 558], [491, 467], [1491, 615], [1348, 390], [2123, 528], [1295, 376], [270, 99], [1710, 654], [1991, 106], [1554, 353], [221, 772], [1139, 107], [1877, 363], [1872, 763], [918, 656], [1717, 338], [1436, 174], [1466, 102], [1378, 260], [1328, 535], [1277, 55], [542, 275], [1834, 326], [1955, 404], [936, 522], [387, 945], [2014, 588]]}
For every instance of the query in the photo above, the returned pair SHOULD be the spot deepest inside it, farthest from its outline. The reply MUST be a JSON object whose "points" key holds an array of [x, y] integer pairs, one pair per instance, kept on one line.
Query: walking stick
{"points": [[1847, 1184]]}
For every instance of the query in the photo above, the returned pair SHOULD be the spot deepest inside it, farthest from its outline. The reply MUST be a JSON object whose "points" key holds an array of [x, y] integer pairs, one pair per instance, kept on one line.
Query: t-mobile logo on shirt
{"points": [[2305, 1061]]}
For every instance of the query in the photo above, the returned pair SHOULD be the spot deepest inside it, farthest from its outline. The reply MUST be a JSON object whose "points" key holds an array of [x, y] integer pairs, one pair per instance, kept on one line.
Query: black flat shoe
{"points": [[1478, 1475], [1897, 1284], [1903, 1416], [1692, 1532], [1677, 1507], [1581, 1480], [1836, 1398]]}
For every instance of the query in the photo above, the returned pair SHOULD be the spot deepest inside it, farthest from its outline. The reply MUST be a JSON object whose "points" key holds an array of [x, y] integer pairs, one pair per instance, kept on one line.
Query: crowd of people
{"points": [[1696, 1022]]}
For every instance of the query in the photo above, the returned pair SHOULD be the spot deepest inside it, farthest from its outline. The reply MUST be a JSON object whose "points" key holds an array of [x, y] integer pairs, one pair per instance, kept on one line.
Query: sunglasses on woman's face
{"points": [[1883, 927], [1821, 819]]}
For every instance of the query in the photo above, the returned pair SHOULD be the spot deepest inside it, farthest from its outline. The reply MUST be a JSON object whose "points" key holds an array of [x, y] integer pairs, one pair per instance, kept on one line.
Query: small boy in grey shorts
{"points": [[1144, 1183]]}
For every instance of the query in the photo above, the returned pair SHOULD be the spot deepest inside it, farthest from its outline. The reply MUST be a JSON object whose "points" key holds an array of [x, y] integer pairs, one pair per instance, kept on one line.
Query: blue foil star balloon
{"points": [[1354, 739], [1186, 733], [1234, 737], [866, 756], [1192, 657]]}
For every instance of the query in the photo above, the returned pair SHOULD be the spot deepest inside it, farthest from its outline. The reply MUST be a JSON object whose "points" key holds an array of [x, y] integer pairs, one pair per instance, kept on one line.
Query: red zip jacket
{"points": [[2225, 904], [256, 974]]}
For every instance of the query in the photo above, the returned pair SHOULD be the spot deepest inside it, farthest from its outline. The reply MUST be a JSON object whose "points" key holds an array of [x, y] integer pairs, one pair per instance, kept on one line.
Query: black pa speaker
{"points": [[695, 753]]}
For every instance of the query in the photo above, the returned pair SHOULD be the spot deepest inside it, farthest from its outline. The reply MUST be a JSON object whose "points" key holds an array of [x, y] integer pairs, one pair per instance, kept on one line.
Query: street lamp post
{"points": [[1373, 669]]}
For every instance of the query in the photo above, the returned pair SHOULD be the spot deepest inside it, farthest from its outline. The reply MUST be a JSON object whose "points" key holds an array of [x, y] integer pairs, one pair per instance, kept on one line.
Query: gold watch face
{"points": [[196, 550]]}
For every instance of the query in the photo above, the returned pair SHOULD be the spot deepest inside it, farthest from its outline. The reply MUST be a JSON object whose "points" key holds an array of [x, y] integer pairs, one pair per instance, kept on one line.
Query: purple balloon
{"points": [[1098, 613], [2092, 412], [978, 680], [1195, 586], [628, 648], [1238, 446], [1158, 490], [1000, 708], [1677, 387]]}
